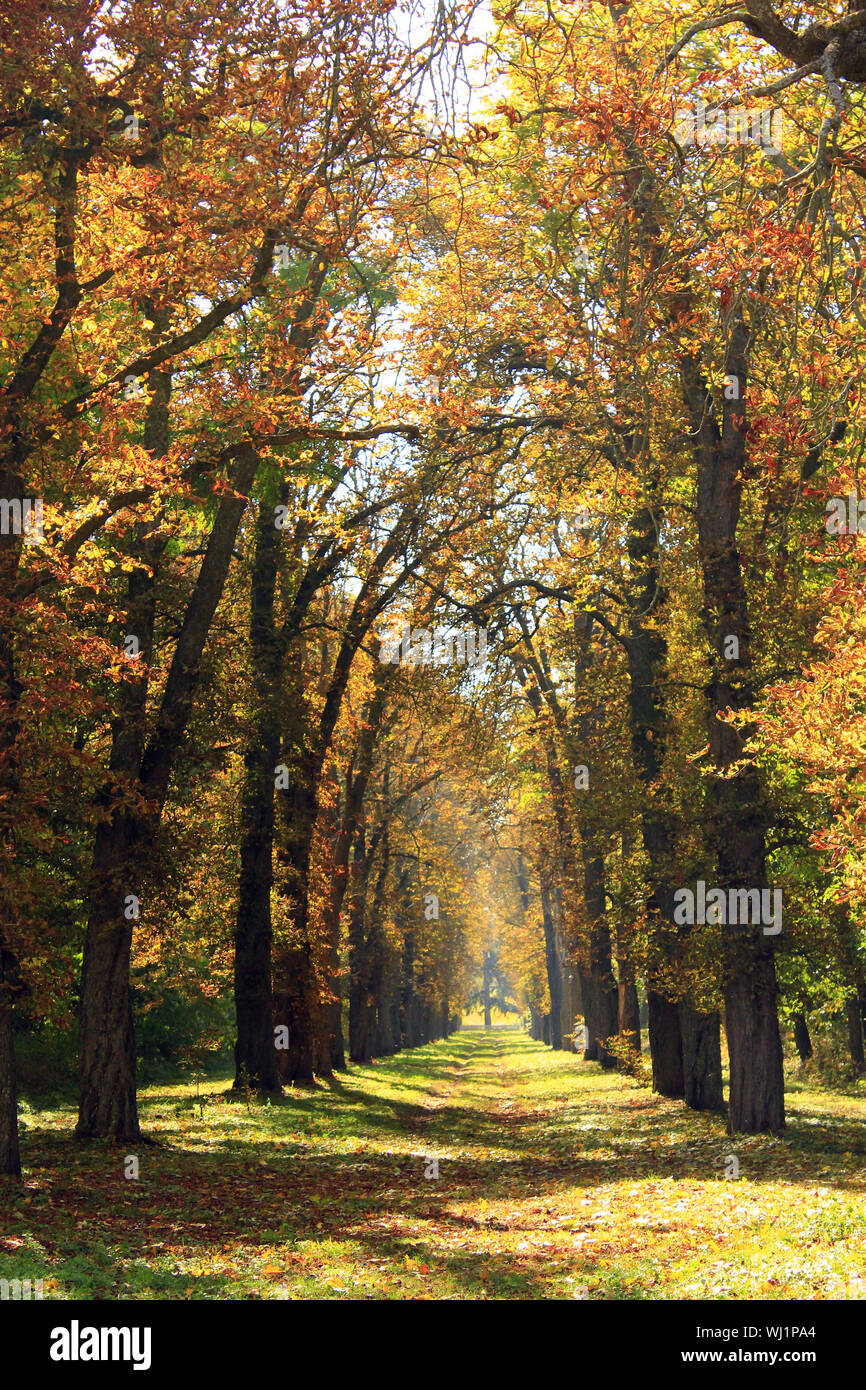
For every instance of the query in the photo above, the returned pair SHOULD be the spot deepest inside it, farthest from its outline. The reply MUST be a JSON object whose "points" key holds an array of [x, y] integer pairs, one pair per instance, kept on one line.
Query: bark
{"points": [[297, 1003], [535, 1015], [673, 1062], [375, 944], [308, 740], [361, 966], [802, 1040], [685, 1045], [10, 988], [666, 1045], [384, 1038], [255, 1053], [297, 1008], [333, 1042], [735, 807], [812, 42], [11, 690], [565, 871], [628, 1014], [855, 1033], [386, 1043], [757, 1102], [598, 986], [554, 970], [373, 973], [107, 1051], [357, 779], [337, 1042], [408, 1026], [568, 1010], [106, 1048], [107, 1102], [702, 1059], [485, 991], [628, 1006], [296, 997], [10, 1157]]}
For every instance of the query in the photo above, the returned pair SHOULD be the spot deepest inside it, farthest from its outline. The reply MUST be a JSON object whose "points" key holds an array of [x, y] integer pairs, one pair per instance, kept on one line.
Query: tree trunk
{"points": [[334, 1016], [357, 780], [855, 1033], [554, 971], [376, 945], [661, 831], [10, 1157], [757, 1102], [361, 1013], [736, 812], [599, 988], [256, 1062], [629, 1012], [10, 693], [485, 991], [702, 1059], [407, 990], [106, 1040], [802, 1040], [568, 1009], [666, 1045], [296, 998], [295, 1003], [10, 983], [107, 1104], [385, 1039]]}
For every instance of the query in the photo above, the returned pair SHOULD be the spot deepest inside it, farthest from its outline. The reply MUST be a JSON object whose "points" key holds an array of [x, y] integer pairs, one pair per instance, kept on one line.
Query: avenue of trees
{"points": [[421, 584]]}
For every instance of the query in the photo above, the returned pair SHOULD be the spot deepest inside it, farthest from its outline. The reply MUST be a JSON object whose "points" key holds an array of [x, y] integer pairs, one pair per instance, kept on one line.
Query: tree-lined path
{"points": [[556, 1180], [432, 577]]}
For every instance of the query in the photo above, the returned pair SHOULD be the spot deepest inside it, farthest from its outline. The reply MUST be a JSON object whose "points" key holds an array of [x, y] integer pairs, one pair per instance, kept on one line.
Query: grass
{"points": [[555, 1180]]}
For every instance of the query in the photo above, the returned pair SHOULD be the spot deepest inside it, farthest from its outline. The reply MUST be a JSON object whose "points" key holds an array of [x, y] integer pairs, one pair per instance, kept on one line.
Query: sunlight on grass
{"points": [[554, 1180]]}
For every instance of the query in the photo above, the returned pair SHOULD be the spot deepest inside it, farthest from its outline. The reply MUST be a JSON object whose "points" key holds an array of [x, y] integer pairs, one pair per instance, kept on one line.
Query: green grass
{"points": [[555, 1181]]}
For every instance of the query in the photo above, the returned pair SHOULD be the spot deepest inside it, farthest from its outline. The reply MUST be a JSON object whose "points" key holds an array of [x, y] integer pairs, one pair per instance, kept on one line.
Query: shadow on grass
{"points": [[105, 1237]]}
